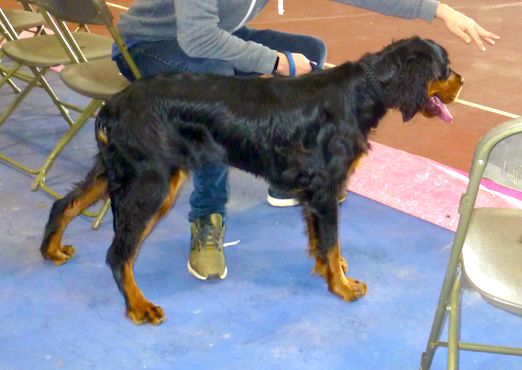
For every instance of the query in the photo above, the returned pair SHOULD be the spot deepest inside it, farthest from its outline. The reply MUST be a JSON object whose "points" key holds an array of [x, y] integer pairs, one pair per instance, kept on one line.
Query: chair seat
{"points": [[46, 50], [24, 19], [492, 256], [98, 79]]}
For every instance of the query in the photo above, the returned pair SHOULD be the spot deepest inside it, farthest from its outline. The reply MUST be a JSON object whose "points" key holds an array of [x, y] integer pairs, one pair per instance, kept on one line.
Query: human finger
{"points": [[489, 40], [472, 31], [486, 34], [461, 34]]}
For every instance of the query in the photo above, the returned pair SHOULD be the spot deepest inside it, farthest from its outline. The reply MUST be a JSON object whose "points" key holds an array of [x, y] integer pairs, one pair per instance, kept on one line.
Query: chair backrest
{"points": [[505, 163], [27, 4], [78, 11], [90, 12], [492, 247], [7, 30], [500, 145], [14, 21]]}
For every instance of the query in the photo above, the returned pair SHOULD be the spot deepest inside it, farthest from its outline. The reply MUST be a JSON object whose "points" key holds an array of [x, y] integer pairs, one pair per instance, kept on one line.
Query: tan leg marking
{"points": [[140, 309], [320, 267], [57, 252], [347, 288], [312, 235]]}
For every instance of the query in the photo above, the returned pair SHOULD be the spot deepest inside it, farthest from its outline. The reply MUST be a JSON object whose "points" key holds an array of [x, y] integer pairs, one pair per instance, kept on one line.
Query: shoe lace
{"points": [[210, 238]]}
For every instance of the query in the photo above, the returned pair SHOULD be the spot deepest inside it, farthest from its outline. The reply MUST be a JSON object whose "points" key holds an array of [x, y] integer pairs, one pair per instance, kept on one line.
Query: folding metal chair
{"points": [[487, 248], [19, 20], [96, 79], [39, 54]]}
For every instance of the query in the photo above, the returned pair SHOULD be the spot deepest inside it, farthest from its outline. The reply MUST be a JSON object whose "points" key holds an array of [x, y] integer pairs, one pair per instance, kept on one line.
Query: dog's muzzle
{"points": [[440, 93]]}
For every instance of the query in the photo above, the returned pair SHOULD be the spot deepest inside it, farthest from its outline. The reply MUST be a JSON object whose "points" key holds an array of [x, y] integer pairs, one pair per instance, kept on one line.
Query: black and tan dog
{"points": [[300, 134]]}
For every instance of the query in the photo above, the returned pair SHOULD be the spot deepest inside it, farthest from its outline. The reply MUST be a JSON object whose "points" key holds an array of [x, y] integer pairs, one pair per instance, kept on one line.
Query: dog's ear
{"points": [[414, 75]]}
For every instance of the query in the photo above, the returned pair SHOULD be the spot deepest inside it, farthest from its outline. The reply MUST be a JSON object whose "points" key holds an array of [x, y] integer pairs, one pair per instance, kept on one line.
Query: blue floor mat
{"points": [[269, 313]]}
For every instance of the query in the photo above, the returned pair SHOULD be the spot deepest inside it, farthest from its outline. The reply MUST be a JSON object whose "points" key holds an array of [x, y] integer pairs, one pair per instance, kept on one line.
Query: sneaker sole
{"points": [[201, 277], [277, 202], [291, 202]]}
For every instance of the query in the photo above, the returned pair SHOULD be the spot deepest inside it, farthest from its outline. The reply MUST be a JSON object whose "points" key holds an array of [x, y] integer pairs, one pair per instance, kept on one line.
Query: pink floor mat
{"points": [[420, 187]]}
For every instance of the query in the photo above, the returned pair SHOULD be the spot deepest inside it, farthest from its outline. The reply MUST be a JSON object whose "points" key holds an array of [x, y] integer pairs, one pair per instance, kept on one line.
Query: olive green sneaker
{"points": [[206, 259]]}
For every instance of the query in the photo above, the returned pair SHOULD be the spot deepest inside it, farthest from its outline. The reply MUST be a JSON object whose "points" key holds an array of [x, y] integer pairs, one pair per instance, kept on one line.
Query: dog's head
{"points": [[416, 77]]}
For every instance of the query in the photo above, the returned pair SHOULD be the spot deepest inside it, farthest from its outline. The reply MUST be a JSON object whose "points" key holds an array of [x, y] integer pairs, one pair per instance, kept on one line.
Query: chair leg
{"points": [[39, 181], [14, 72], [6, 113], [38, 80], [4, 70], [61, 107], [11, 108], [440, 314], [453, 330], [100, 215], [9, 81]]}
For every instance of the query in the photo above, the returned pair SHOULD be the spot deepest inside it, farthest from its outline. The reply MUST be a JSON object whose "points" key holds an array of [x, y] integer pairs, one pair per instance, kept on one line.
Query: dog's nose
{"points": [[459, 78]]}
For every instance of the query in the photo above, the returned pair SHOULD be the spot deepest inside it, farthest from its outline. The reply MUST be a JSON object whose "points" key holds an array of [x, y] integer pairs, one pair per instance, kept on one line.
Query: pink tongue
{"points": [[443, 112]]}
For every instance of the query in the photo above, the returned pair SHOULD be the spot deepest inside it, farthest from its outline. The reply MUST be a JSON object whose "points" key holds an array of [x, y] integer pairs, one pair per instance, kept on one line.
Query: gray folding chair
{"points": [[39, 54], [95, 79], [487, 248]]}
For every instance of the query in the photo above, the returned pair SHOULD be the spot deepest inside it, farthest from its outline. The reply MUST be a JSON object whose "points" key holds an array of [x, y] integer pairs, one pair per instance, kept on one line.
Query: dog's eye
{"points": [[446, 72]]}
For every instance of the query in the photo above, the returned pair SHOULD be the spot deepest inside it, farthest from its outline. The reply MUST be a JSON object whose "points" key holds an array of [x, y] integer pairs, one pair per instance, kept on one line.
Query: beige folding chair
{"points": [[96, 79], [18, 20], [39, 54], [487, 248]]}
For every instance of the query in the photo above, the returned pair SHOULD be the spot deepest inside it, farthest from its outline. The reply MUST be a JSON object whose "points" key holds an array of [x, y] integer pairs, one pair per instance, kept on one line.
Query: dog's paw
{"points": [[349, 289], [60, 255], [146, 312]]}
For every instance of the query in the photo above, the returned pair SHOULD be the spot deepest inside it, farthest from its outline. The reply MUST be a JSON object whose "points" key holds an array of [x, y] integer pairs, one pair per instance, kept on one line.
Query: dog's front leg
{"points": [[322, 222], [320, 267]]}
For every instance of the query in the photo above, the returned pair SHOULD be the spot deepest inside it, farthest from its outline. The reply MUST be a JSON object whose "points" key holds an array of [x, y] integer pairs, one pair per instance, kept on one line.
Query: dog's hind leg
{"points": [[137, 209], [323, 229], [91, 189]]}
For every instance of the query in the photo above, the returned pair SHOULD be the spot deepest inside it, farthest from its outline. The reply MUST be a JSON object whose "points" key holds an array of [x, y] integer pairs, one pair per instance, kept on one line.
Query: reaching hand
{"points": [[302, 64], [465, 27]]}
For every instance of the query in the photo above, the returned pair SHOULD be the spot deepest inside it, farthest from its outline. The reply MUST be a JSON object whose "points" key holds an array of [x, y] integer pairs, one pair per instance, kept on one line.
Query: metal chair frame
{"points": [[57, 17], [449, 299], [7, 34], [37, 80]]}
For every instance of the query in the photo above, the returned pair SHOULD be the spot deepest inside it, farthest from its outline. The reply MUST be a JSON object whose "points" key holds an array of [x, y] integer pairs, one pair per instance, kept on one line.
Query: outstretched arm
{"points": [[457, 23]]}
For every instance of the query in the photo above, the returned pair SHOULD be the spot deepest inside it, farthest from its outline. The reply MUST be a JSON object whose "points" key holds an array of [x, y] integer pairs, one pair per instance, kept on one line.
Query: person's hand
{"points": [[302, 65], [465, 27]]}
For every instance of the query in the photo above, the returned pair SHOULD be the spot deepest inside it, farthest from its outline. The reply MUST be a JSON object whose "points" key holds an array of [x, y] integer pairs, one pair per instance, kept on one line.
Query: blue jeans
{"points": [[211, 189]]}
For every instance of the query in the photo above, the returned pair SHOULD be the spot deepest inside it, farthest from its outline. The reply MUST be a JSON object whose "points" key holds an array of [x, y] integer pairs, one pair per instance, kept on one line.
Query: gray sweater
{"points": [[203, 28]]}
